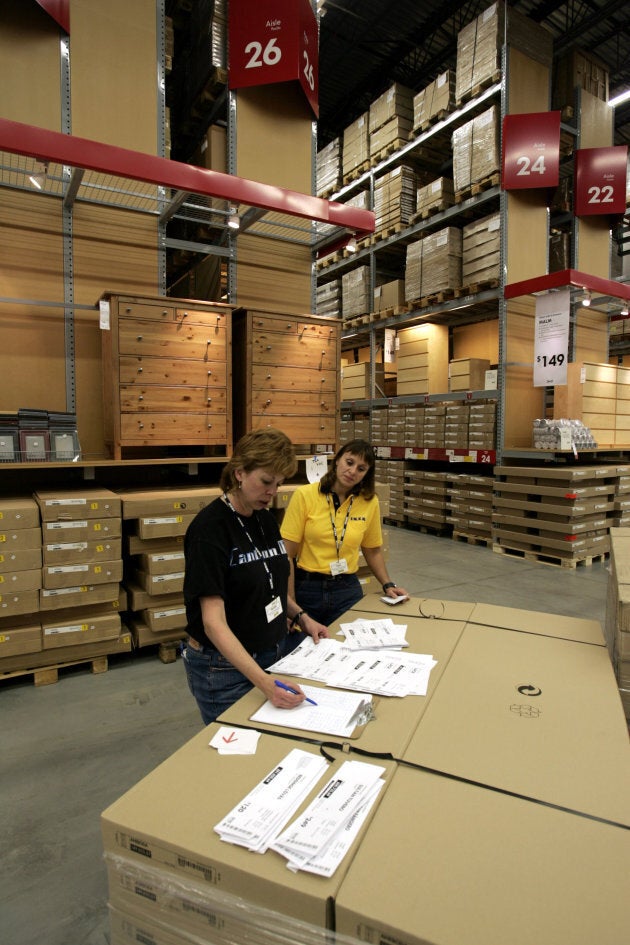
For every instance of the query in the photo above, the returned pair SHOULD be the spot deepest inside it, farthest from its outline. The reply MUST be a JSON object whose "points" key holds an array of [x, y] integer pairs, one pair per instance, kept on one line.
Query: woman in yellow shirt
{"points": [[325, 526]]}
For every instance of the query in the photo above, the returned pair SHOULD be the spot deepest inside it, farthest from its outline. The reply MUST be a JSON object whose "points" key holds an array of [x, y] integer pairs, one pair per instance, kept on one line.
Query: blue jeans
{"points": [[216, 684], [327, 599]]}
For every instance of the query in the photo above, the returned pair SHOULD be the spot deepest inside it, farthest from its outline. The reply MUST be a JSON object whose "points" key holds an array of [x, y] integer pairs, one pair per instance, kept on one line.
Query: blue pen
{"points": [[282, 685]]}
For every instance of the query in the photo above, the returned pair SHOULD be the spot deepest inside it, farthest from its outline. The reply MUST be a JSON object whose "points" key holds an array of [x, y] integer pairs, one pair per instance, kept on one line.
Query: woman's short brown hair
{"points": [[267, 449]]}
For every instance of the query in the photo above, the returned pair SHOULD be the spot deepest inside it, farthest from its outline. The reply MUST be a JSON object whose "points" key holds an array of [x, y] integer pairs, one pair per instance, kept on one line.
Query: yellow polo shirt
{"points": [[307, 522]]}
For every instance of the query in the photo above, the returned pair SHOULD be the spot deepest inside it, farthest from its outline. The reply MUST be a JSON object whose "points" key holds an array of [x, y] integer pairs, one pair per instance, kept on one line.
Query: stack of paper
{"points": [[374, 634], [333, 713], [319, 839], [258, 819]]}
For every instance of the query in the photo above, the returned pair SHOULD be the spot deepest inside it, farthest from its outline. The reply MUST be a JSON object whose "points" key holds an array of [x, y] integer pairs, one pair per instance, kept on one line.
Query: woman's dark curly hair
{"points": [[364, 451]]}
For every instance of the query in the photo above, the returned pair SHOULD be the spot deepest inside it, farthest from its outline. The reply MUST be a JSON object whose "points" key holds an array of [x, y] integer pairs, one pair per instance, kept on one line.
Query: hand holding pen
{"points": [[295, 692]]}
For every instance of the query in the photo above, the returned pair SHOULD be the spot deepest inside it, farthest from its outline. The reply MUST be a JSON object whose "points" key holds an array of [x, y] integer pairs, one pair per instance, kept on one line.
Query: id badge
{"points": [[274, 609], [339, 567]]}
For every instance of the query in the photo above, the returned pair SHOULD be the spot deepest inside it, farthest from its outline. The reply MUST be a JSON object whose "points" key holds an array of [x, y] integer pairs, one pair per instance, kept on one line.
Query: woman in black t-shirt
{"points": [[236, 583]]}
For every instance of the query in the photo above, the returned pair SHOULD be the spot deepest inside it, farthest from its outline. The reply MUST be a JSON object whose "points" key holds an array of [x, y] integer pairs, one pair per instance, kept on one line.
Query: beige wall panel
{"points": [[114, 72], [591, 336], [31, 247], [593, 246], [596, 122], [89, 384], [30, 73], [114, 250], [520, 326], [477, 341], [523, 404], [33, 368], [274, 141], [529, 84]]}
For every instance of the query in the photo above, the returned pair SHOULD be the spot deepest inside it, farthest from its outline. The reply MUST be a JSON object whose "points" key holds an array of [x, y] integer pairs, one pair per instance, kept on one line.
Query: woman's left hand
{"points": [[396, 592], [317, 631]]}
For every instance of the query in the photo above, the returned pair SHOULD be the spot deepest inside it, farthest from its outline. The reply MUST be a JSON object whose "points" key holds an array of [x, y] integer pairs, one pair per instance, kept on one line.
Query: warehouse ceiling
{"points": [[366, 45]]}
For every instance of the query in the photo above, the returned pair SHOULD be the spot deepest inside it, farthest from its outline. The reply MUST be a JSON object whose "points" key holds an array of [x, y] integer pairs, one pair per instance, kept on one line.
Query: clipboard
{"points": [[364, 712]]}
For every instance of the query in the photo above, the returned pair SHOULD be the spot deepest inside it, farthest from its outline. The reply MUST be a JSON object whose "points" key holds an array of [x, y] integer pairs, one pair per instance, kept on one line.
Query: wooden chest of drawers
{"points": [[167, 373], [286, 372]]}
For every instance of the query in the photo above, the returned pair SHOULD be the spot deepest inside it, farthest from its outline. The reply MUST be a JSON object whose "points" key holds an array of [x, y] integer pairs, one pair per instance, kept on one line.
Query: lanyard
{"points": [[339, 541], [252, 542]]}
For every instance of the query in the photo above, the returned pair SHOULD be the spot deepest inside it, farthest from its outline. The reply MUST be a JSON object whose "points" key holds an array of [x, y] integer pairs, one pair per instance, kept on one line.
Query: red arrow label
{"points": [[232, 737]]}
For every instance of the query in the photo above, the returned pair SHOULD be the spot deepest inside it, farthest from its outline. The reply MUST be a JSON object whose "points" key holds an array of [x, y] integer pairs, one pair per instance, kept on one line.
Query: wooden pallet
{"points": [[167, 651], [474, 287], [47, 675], [472, 539], [480, 87], [477, 188], [433, 120], [356, 172], [386, 151], [388, 231], [431, 211], [540, 557]]}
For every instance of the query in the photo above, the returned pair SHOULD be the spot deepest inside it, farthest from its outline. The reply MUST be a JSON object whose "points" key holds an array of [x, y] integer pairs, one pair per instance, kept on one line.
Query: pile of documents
{"points": [[374, 634], [317, 840], [324, 710]]}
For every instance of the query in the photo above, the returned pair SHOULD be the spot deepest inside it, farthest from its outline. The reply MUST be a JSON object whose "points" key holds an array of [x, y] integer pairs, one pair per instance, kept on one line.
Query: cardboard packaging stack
{"points": [[481, 250], [328, 168], [413, 271], [329, 299], [617, 627], [456, 426], [435, 101], [356, 381], [434, 196], [578, 70], [480, 42], [441, 261], [156, 521], [470, 505], [476, 150], [434, 425], [556, 512], [422, 360], [391, 473], [391, 120], [482, 425], [599, 396], [356, 148], [426, 497], [389, 295], [414, 425], [355, 287], [394, 199], [380, 427], [467, 374], [20, 578], [621, 515]]}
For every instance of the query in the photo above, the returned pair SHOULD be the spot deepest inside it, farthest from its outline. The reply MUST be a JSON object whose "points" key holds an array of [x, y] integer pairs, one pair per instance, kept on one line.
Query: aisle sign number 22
{"points": [[531, 151], [274, 41]]}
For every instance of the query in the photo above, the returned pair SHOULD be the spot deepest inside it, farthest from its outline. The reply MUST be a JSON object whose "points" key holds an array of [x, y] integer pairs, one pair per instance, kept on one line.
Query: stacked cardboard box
{"points": [[356, 381], [20, 577], [456, 426], [434, 426], [391, 120], [578, 70], [389, 295], [362, 426], [617, 626], [346, 426], [476, 150], [594, 395], [156, 522], [391, 472], [441, 261], [356, 147], [379, 421], [621, 515], [470, 505], [413, 271], [479, 46], [329, 299], [481, 250], [482, 425], [426, 497], [622, 406], [328, 167], [434, 196], [396, 421], [394, 199], [434, 101], [422, 360], [414, 425], [554, 512], [355, 292], [467, 374]]}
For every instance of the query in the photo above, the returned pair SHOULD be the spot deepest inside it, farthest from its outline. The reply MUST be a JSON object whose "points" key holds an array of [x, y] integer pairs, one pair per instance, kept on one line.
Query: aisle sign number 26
{"points": [[274, 41], [531, 151]]}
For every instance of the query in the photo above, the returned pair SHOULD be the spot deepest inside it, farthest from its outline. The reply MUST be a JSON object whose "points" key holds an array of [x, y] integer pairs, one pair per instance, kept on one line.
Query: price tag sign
{"points": [[274, 41], [551, 344], [531, 151], [600, 180]]}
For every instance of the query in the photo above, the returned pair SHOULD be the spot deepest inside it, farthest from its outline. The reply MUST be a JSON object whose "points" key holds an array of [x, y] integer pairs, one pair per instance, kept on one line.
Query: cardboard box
{"points": [[163, 526], [19, 581], [162, 617], [19, 635], [82, 529], [470, 865], [157, 584], [76, 552], [140, 827], [89, 572], [467, 374], [144, 635], [80, 630], [20, 539], [21, 560], [13, 603], [80, 596], [72, 504], [20, 512], [162, 562], [155, 502]]}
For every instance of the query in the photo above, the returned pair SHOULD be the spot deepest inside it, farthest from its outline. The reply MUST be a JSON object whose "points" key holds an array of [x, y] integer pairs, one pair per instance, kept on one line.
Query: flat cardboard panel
{"points": [[29, 52], [474, 867], [556, 747], [529, 621], [477, 341]]}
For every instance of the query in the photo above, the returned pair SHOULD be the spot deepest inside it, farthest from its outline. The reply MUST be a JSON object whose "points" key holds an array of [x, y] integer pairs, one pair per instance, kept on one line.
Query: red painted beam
{"points": [[59, 10], [57, 148], [568, 277]]}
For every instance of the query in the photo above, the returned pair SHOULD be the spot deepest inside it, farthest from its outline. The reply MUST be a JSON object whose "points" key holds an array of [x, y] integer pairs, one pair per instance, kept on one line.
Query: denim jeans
{"points": [[327, 599], [216, 684]]}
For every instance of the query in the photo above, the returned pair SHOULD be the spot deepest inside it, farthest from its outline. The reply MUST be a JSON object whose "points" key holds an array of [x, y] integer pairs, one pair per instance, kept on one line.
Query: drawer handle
{"points": [[267, 402], [128, 310], [141, 397], [269, 377], [209, 373], [209, 400], [140, 370], [165, 312], [139, 338], [209, 426], [141, 426], [268, 347], [184, 315]]}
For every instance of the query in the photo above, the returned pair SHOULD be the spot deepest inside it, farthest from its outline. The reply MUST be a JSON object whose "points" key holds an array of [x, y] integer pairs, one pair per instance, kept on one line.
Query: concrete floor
{"points": [[68, 750]]}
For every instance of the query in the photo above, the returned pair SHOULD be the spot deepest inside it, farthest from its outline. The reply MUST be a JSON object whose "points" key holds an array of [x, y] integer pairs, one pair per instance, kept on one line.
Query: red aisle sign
{"points": [[531, 151], [600, 180], [274, 41]]}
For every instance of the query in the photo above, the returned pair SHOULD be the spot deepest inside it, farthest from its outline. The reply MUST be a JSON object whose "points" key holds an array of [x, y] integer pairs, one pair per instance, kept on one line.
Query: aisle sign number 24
{"points": [[274, 41], [531, 151]]}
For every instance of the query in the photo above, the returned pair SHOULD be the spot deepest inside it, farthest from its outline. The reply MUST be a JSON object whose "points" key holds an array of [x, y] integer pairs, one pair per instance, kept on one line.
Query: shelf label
{"points": [[600, 180], [531, 151], [274, 41], [551, 345]]}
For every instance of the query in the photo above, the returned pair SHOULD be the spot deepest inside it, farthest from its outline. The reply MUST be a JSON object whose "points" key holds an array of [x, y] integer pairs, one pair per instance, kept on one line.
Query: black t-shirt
{"points": [[225, 556]]}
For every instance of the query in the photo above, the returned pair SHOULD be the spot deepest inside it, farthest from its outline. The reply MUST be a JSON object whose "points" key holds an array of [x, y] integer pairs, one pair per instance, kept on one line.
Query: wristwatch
{"points": [[389, 584]]}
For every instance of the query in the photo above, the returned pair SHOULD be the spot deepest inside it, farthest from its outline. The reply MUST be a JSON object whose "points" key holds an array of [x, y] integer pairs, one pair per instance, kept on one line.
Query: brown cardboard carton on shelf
{"points": [[18, 582], [162, 562], [81, 596], [144, 635], [158, 584], [13, 603], [140, 599], [81, 529], [447, 835], [75, 552], [162, 617], [284, 494], [18, 512], [71, 575], [389, 295], [150, 502], [467, 374], [140, 827], [26, 559], [80, 630], [395, 102], [476, 150], [20, 539], [163, 526], [356, 144], [69, 504], [18, 636]]}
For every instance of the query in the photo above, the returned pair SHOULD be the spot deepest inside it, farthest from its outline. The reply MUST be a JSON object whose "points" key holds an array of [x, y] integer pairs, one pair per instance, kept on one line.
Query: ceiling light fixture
{"points": [[624, 310], [351, 245], [38, 177], [619, 99], [586, 301], [233, 220]]}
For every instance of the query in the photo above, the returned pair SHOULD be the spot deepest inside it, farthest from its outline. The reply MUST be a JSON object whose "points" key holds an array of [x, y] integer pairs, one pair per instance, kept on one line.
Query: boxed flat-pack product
{"points": [[162, 562], [79, 628], [437, 195], [422, 360], [20, 581], [161, 617], [144, 635], [69, 504], [389, 137], [389, 295], [171, 582], [590, 395], [356, 145], [481, 250], [163, 526], [354, 290], [80, 530], [89, 572], [329, 167], [356, 379], [147, 502], [513, 863], [467, 374], [476, 150], [435, 101], [395, 102], [19, 635], [395, 198], [14, 602], [139, 826], [81, 596], [441, 261], [75, 552], [18, 512]]}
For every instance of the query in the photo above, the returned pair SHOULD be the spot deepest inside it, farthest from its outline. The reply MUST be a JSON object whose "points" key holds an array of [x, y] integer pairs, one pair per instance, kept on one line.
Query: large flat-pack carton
{"points": [[80, 629], [18, 512], [80, 529], [88, 572], [157, 584], [141, 827], [541, 738], [27, 559], [146, 502], [144, 635], [472, 866], [76, 552], [68, 504], [163, 526], [20, 539], [13, 603], [81, 652], [83, 595], [19, 635]]}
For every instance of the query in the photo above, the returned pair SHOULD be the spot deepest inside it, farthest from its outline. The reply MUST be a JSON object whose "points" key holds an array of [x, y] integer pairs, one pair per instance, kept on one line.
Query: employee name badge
{"points": [[274, 609], [340, 566]]}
